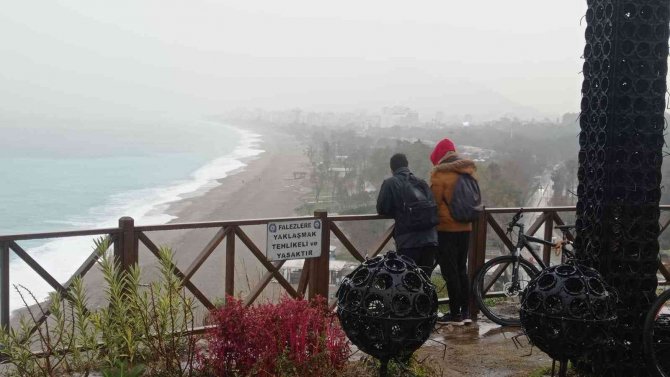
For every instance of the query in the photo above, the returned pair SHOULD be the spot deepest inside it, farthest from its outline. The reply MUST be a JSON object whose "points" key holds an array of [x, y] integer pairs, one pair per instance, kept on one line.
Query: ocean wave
{"points": [[61, 257]]}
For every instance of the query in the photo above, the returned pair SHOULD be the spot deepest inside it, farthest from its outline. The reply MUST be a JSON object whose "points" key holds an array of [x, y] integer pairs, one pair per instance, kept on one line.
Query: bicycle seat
{"points": [[565, 228]]}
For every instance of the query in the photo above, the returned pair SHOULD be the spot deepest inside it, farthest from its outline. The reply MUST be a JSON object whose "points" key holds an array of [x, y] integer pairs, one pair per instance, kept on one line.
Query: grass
{"points": [[369, 367], [546, 371], [441, 286], [492, 301], [541, 372]]}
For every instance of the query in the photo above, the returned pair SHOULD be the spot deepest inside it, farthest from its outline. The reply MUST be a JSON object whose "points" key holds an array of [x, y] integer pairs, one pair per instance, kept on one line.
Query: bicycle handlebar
{"points": [[514, 221]]}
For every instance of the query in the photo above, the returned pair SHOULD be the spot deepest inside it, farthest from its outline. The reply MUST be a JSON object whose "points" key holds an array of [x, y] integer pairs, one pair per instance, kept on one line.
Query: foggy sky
{"points": [[165, 58]]}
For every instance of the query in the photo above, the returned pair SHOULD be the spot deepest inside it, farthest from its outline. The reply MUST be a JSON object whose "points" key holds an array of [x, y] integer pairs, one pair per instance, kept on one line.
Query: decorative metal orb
{"points": [[387, 306], [567, 310]]}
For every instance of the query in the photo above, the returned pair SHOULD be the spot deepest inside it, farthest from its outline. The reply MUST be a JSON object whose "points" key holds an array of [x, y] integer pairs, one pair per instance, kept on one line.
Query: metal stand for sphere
{"points": [[383, 368], [562, 368]]}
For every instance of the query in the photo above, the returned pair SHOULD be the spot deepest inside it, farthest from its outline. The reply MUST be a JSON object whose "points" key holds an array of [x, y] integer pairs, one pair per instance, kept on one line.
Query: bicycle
{"points": [[508, 275], [656, 336]]}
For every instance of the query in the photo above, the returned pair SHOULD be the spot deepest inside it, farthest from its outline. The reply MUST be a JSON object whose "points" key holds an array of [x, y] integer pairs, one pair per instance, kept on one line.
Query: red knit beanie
{"points": [[441, 149]]}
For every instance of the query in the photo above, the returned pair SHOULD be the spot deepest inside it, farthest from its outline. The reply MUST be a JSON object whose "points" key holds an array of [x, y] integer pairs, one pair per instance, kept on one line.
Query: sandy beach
{"points": [[264, 188]]}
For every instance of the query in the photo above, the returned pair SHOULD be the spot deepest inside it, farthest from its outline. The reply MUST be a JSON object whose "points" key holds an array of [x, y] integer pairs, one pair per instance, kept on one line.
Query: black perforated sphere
{"points": [[568, 309], [387, 306]]}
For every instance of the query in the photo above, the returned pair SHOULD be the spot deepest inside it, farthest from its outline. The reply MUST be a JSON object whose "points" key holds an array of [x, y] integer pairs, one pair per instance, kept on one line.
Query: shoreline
{"points": [[257, 189], [174, 208], [240, 182], [154, 208], [264, 187]]}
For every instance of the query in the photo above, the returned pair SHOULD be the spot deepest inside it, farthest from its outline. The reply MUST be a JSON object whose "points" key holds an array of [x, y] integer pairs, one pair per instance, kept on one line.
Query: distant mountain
{"points": [[458, 99]]}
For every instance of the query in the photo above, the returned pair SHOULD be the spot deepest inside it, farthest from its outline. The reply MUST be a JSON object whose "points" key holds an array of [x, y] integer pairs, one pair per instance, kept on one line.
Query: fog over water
{"points": [[150, 59]]}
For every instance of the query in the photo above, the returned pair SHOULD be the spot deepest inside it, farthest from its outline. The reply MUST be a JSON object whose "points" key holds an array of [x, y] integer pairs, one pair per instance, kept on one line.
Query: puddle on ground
{"points": [[456, 351], [487, 329], [465, 334], [472, 333]]}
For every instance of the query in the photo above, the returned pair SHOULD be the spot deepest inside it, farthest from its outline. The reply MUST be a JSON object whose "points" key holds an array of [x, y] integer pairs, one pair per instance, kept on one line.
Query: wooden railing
{"points": [[128, 237], [314, 279]]}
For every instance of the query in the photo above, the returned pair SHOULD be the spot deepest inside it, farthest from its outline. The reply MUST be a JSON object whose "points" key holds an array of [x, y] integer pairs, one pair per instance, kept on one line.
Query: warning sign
{"points": [[294, 239]]}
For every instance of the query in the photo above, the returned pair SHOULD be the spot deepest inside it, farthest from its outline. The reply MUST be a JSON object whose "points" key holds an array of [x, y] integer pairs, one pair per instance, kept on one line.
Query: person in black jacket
{"points": [[419, 245]]}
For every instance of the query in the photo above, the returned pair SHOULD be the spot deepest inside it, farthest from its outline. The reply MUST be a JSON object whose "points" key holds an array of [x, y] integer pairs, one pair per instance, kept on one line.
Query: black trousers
{"points": [[452, 258], [424, 257]]}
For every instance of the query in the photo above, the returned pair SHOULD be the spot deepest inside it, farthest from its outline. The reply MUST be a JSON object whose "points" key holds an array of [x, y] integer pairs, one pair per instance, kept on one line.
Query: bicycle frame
{"points": [[524, 241], [522, 269]]}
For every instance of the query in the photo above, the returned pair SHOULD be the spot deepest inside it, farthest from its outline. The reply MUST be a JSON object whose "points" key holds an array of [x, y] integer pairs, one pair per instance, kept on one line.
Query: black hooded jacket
{"points": [[390, 200]]}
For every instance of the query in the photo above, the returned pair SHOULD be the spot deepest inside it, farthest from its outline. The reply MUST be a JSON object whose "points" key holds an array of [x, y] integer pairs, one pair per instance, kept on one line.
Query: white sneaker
{"points": [[466, 318], [448, 319]]}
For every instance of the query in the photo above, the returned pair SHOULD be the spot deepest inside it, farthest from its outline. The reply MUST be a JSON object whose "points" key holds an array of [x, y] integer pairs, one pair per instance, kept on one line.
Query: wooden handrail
{"points": [[315, 271], [662, 207], [357, 217], [64, 234], [531, 209], [218, 224], [245, 222]]}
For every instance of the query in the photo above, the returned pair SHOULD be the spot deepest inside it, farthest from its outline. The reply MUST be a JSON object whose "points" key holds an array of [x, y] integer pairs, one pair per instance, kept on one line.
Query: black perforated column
{"points": [[620, 159]]}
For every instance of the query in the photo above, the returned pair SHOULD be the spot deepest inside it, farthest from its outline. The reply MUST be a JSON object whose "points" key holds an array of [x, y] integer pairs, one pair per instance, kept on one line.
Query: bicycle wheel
{"points": [[497, 295], [656, 336]]}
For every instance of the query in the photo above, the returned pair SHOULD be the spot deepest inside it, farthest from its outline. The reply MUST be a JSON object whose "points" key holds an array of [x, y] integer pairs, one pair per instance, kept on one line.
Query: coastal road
{"points": [[539, 198]]}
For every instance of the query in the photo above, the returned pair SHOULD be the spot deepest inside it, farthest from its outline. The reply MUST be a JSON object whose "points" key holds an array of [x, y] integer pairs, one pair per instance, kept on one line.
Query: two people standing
{"points": [[442, 241]]}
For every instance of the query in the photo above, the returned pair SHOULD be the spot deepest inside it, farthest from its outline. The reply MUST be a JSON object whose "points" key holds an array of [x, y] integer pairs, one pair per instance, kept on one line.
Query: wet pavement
{"points": [[482, 348]]}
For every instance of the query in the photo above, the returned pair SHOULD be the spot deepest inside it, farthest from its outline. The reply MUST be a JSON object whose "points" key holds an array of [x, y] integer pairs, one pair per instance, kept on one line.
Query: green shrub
{"points": [[143, 330]]}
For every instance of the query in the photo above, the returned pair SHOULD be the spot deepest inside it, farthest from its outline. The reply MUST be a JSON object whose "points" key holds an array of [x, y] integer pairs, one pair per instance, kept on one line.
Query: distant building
{"points": [[439, 117], [399, 116], [292, 270], [476, 153], [369, 187], [357, 118], [340, 172]]}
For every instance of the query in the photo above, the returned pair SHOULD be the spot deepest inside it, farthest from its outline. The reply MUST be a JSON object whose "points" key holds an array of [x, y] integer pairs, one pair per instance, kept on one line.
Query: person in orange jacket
{"points": [[453, 236]]}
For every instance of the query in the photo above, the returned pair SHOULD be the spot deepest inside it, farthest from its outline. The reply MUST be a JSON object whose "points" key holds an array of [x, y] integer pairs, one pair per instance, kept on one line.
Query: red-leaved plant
{"points": [[291, 338]]}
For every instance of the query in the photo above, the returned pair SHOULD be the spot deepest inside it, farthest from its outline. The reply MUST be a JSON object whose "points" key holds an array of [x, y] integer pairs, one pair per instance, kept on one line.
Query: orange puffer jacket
{"points": [[443, 180]]}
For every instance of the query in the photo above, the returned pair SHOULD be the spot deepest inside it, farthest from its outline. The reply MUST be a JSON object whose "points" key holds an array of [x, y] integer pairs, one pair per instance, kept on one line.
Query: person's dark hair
{"points": [[398, 161]]}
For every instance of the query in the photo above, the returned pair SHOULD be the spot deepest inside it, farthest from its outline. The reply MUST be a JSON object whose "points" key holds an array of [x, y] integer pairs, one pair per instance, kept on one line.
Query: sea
{"points": [[61, 176]]}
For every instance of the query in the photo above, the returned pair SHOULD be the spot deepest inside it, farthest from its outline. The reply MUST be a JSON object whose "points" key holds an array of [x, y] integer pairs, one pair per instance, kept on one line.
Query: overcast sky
{"points": [[112, 58]]}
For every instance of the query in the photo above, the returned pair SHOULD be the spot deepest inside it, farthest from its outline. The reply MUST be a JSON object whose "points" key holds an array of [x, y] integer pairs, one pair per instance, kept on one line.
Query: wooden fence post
{"points": [[476, 256], [4, 285], [319, 276], [126, 244], [548, 233], [230, 265]]}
